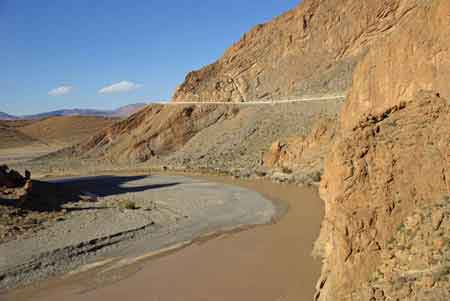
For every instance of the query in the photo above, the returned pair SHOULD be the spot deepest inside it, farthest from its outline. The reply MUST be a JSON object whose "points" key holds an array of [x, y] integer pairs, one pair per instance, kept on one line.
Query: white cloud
{"points": [[60, 91], [120, 87]]}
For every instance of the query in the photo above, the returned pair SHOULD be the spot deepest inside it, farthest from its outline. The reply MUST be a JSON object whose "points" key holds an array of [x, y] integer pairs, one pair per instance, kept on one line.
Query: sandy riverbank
{"points": [[271, 262], [166, 210]]}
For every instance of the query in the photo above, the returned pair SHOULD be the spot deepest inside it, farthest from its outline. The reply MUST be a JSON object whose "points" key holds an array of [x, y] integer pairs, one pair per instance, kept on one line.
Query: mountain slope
{"points": [[127, 110], [311, 49]]}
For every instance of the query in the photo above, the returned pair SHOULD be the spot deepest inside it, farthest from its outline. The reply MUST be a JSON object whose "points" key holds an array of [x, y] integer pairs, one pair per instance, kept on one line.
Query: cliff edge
{"points": [[391, 154]]}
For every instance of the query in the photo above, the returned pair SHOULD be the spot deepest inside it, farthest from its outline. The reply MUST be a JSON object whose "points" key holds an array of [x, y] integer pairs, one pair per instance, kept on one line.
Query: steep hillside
{"points": [[153, 131], [310, 50], [415, 262], [206, 136], [239, 143], [125, 111]]}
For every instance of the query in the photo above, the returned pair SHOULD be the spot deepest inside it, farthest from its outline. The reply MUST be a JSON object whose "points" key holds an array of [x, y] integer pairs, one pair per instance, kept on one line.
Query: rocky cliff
{"points": [[375, 175], [311, 49], [391, 153]]}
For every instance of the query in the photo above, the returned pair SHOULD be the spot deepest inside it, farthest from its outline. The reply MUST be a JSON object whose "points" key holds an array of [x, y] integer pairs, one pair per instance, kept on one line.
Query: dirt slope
{"points": [[153, 131], [65, 130], [207, 136], [239, 143], [10, 137]]}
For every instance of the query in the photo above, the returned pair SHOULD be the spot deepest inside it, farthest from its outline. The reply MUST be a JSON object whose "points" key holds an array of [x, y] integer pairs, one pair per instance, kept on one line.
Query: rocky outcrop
{"points": [[311, 49], [375, 175], [415, 263], [414, 56], [303, 153], [11, 179], [26, 205], [392, 151]]}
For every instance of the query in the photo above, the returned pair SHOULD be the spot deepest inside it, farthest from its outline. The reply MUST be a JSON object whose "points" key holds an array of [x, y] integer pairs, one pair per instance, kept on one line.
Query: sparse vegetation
{"points": [[286, 170], [261, 173], [316, 176], [128, 205]]}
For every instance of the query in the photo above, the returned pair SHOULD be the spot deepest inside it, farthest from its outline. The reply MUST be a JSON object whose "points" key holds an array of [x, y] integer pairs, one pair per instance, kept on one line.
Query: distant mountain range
{"points": [[124, 111], [4, 116]]}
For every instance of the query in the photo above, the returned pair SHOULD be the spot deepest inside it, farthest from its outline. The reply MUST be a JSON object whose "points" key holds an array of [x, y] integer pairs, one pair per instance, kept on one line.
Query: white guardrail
{"points": [[261, 102]]}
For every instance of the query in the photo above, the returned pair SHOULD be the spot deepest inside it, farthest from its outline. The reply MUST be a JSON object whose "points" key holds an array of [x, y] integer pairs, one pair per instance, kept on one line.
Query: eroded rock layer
{"points": [[414, 56], [375, 175], [154, 131], [392, 151], [306, 153], [415, 263], [311, 49]]}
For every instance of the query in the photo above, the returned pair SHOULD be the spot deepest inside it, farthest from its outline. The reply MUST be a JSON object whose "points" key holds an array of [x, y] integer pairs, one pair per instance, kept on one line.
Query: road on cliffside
{"points": [[260, 102]]}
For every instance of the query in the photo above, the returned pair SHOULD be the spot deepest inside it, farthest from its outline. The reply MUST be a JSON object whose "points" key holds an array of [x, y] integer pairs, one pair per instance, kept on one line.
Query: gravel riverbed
{"points": [[125, 216]]}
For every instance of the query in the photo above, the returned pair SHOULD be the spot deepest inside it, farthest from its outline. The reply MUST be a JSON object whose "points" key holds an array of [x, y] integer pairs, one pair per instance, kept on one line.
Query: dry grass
{"points": [[127, 204]]}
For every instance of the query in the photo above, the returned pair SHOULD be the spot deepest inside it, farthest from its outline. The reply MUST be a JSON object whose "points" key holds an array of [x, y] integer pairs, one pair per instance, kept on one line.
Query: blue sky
{"points": [[107, 53]]}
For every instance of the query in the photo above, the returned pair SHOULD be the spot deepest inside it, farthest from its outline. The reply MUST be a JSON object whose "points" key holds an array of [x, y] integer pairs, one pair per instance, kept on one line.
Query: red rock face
{"points": [[392, 150], [375, 175], [414, 55], [303, 153]]}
